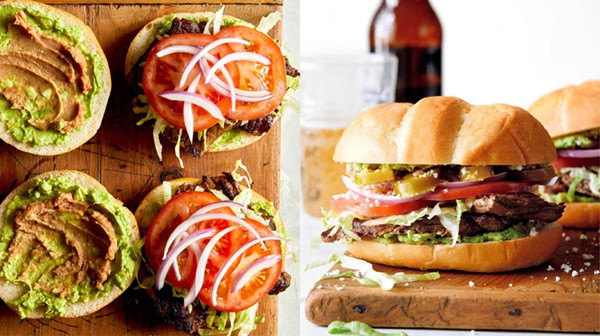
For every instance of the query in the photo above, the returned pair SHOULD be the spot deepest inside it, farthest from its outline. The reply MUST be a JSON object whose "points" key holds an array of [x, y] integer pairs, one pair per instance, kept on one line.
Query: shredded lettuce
{"points": [[368, 276], [178, 148], [218, 20], [243, 176], [356, 328], [243, 322], [268, 22]]}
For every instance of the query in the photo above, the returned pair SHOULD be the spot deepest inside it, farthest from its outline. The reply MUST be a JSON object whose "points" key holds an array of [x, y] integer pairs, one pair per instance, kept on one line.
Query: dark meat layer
{"points": [[284, 281], [224, 183], [185, 26], [171, 310], [493, 213], [260, 125], [520, 206]]}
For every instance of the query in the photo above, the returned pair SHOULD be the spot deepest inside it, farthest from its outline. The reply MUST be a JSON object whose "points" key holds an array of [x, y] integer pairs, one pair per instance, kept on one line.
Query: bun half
{"points": [[445, 130], [10, 292], [485, 257], [568, 110], [98, 106]]}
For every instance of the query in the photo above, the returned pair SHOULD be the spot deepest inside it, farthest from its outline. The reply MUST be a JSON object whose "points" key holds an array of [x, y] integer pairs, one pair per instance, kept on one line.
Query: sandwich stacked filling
{"points": [[577, 168], [431, 204]]}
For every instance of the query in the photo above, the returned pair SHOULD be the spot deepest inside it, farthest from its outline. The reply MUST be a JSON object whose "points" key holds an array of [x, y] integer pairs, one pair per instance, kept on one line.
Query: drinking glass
{"points": [[334, 90]]}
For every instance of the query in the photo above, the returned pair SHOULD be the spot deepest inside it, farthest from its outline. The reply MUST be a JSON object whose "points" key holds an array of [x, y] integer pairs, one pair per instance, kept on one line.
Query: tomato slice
{"points": [[564, 162], [447, 194], [164, 73], [257, 287], [255, 76], [176, 210], [367, 207]]}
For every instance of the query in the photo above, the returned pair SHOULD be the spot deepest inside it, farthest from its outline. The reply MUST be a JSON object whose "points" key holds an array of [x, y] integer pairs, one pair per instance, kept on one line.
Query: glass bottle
{"points": [[411, 30]]}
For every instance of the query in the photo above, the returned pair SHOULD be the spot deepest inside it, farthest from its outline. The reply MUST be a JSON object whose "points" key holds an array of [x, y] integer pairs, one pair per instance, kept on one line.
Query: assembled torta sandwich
{"points": [[210, 82], [572, 117], [54, 79], [67, 247], [444, 184]]}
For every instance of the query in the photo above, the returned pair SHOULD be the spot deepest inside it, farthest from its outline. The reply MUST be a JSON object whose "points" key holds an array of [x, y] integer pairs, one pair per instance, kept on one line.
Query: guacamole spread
{"points": [[63, 244], [47, 77]]}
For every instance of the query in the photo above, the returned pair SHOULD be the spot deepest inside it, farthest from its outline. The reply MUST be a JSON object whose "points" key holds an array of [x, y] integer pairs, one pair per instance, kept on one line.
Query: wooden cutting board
{"points": [[544, 298], [122, 157]]}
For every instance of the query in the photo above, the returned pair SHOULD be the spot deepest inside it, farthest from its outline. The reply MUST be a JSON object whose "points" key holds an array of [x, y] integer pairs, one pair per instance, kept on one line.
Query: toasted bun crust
{"points": [[471, 257], [10, 292], [445, 130], [568, 110], [91, 125], [142, 42], [581, 215]]}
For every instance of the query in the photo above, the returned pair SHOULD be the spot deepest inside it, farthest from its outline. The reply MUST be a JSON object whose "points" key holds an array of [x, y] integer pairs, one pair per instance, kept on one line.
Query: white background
{"points": [[509, 51]]}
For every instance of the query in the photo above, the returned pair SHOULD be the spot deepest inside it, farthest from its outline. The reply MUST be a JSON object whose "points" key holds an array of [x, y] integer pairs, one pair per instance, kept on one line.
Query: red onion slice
{"points": [[579, 153], [222, 88], [188, 114], [384, 199], [234, 57], [183, 226], [161, 275], [230, 262], [201, 268], [207, 48], [462, 184], [195, 99], [257, 266], [216, 205], [186, 49], [193, 220]]}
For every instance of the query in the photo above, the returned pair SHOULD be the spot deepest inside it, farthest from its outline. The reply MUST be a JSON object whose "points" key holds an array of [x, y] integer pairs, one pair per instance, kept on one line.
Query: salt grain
{"points": [[557, 278], [574, 274], [471, 284], [583, 237], [567, 238], [550, 268], [587, 256]]}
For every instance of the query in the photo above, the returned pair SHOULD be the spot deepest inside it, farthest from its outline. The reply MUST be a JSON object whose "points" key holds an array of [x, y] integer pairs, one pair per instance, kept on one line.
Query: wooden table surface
{"points": [[122, 157], [543, 298]]}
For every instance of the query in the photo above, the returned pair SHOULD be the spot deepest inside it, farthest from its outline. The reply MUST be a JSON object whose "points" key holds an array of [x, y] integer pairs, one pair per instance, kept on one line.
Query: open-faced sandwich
{"points": [[67, 247], [54, 79], [210, 82], [444, 184], [572, 117], [213, 249]]}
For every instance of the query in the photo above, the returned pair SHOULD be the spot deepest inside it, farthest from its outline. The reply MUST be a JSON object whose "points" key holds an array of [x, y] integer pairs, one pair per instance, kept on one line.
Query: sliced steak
{"points": [[290, 70], [518, 206], [284, 281], [171, 310], [224, 183], [259, 126], [185, 26], [470, 224]]}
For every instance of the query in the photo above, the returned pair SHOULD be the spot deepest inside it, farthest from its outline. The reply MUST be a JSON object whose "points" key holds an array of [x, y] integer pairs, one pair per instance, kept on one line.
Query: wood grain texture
{"points": [[530, 299], [122, 157]]}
